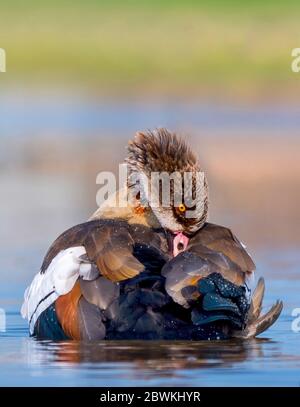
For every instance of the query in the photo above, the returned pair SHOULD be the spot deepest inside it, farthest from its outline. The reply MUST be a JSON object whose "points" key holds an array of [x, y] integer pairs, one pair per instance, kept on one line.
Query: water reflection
{"points": [[153, 356]]}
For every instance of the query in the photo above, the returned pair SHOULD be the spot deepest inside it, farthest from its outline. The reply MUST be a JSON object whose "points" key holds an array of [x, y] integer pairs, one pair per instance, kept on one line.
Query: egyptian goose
{"points": [[148, 272]]}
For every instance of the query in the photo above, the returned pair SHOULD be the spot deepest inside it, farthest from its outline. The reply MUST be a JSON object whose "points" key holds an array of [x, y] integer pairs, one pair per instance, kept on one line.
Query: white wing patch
{"points": [[59, 279]]}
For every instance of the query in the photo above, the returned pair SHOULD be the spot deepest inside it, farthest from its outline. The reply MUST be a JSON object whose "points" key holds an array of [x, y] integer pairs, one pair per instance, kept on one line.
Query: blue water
{"points": [[27, 112]]}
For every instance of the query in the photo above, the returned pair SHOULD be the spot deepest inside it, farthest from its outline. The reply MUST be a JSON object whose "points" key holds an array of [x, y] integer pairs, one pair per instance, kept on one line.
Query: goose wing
{"points": [[107, 244], [214, 249], [100, 248]]}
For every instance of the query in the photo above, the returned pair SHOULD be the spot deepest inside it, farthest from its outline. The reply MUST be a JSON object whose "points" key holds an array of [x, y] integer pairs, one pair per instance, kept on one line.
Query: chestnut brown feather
{"points": [[108, 244]]}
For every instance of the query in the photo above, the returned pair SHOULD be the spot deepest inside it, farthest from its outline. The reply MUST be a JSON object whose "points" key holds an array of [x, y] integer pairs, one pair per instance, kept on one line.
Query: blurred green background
{"points": [[83, 76], [209, 49]]}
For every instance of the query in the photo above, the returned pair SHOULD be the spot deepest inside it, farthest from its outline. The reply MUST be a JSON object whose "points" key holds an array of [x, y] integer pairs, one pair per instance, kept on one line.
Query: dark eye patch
{"points": [[180, 216]]}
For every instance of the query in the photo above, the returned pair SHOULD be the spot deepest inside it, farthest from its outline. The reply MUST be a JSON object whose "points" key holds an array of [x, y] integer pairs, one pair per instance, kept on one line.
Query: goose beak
{"points": [[178, 243]]}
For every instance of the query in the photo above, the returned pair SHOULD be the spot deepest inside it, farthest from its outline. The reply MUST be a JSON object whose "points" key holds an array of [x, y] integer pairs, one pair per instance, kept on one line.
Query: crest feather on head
{"points": [[159, 151]]}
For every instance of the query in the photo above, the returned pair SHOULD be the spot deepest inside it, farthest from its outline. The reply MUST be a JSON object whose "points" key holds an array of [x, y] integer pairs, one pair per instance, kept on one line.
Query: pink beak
{"points": [[180, 243]]}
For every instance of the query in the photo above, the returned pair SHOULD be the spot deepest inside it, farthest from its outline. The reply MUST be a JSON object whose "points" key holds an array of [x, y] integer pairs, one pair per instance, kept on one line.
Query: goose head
{"points": [[166, 177]]}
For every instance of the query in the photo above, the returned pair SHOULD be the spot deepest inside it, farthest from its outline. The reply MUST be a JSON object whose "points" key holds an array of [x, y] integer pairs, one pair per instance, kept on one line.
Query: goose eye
{"points": [[181, 208]]}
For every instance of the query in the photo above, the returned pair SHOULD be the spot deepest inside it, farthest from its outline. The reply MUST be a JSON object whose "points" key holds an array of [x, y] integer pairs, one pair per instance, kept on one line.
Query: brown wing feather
{"points": [[111, 249], [221, 240], [108, 244], [256, 301], [214, 249]]}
